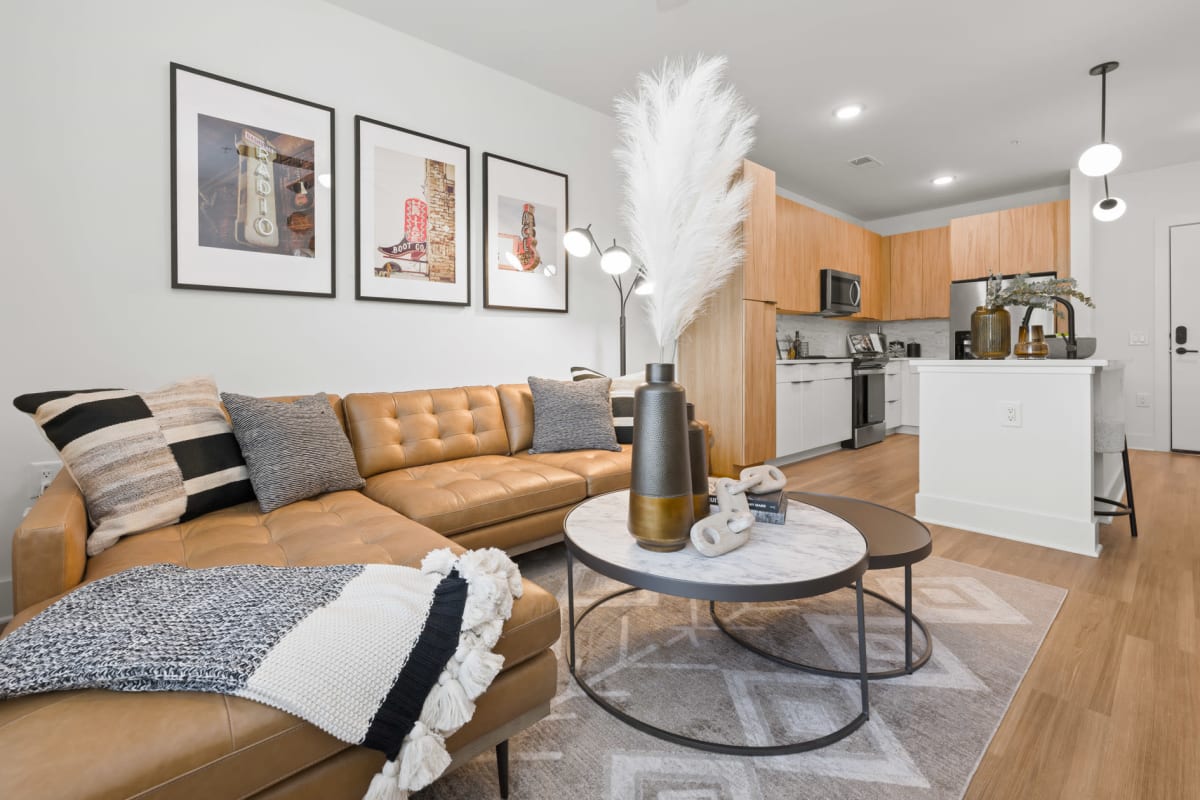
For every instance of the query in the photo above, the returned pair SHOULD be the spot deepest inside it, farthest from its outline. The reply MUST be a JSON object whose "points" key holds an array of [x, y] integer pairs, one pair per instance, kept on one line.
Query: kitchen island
{"points": [[1007, 448]]}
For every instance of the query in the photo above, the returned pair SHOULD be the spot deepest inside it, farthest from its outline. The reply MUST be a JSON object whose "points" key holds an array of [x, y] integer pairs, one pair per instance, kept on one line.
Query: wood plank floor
{"points": [[1111, 706]]}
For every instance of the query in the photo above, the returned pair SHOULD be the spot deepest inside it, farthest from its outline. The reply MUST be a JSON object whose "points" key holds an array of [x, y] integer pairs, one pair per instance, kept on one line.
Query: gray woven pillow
{"points": [[572, 415], [292, 450]]}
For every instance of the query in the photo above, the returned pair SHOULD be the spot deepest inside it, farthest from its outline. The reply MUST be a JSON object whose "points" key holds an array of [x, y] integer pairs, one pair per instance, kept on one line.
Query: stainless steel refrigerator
{"points": [[966, 296]]}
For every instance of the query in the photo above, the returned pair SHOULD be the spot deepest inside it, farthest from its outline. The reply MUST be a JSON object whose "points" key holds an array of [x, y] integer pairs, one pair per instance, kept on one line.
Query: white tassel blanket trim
{"points": [[493, 582]]}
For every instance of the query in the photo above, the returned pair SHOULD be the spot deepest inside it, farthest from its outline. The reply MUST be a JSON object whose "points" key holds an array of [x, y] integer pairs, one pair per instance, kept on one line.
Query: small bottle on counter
{"points": [[797, 345]]}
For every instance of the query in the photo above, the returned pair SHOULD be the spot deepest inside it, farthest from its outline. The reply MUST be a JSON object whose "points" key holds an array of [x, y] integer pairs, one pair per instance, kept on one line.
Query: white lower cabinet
{"points": [[893, 395], [812, 406]]}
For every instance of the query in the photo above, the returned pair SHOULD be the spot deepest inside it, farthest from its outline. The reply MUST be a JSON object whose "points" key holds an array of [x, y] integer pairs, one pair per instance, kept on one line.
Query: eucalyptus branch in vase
{"points": [[1023, 291]]}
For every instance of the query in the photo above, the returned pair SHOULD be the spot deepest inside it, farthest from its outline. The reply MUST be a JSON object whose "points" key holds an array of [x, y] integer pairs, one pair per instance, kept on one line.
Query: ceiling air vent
{"points": [[866, 161]]}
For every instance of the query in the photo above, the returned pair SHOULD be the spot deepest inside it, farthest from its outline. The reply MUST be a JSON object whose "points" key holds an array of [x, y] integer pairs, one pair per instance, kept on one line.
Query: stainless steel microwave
{"points": [[841, 293]]}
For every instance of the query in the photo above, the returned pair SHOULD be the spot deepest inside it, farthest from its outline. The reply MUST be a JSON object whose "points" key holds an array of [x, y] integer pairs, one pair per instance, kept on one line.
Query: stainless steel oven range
{"points": [[868, 403]]}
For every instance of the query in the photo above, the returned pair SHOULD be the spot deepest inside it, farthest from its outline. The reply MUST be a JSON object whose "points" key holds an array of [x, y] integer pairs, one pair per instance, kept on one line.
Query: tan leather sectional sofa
{"points": [[448, 465]]}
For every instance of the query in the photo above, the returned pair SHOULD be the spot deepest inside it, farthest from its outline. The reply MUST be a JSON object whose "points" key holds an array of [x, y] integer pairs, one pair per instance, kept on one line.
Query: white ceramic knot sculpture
{"points": [[729, 528]]}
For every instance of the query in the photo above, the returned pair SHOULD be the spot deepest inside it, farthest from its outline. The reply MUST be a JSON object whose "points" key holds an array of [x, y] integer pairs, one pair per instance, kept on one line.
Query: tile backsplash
{"points": [[826, 336]]}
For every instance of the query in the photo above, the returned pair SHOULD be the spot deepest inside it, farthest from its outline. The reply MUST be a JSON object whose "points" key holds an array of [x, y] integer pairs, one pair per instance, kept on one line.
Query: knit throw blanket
{"points": [[383, 656]]}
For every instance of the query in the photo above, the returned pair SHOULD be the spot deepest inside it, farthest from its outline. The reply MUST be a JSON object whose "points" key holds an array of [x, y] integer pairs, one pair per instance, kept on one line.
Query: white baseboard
{"points": [[1059, 533], [807, 454], [909, 430]]}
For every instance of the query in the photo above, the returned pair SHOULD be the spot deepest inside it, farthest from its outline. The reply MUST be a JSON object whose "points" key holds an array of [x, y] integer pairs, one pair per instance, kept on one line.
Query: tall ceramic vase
{"points": [[991, 332], [660, 491], [698, 453]]}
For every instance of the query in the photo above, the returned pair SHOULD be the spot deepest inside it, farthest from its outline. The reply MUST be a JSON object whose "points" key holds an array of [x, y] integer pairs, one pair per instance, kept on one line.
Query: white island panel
{"points": [[1032, 481]]}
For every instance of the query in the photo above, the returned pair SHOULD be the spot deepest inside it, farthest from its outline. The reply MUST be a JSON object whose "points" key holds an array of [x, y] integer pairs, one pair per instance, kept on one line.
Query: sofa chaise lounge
{"points": [[446, 465]]}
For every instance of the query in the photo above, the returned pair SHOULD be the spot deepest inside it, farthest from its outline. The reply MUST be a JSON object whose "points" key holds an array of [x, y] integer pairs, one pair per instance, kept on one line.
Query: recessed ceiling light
{"points": [[848, 112], [942, 180]]}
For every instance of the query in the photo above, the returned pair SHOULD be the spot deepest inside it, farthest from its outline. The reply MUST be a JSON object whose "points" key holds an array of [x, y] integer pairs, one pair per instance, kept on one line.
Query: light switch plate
{"points": [[1142, 399], [1138, 338]]}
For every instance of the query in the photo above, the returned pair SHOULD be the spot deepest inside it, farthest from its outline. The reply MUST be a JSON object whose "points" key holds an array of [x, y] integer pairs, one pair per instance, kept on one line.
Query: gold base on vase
{"points": [[700, 507], [662, 524]]}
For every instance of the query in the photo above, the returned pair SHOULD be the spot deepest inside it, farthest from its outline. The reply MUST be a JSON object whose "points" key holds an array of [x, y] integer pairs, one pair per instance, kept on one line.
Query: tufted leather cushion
{"points": [[468, 493], [604, 470], [516, 403], [411, 429]]}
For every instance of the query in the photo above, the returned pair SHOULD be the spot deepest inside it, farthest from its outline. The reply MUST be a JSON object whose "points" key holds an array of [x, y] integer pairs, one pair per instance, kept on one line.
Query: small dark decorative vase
{"points": [[660, 491], [991, 332], [698, 450]]}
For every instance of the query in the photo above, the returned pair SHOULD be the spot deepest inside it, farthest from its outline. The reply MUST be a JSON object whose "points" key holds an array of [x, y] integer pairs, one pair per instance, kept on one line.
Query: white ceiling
{"points": [[948, 84]]}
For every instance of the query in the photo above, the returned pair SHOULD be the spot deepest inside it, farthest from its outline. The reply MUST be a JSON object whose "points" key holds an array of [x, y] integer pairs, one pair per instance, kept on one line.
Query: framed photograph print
{"points": [[413, 216], [524, 218], [251, 188]]}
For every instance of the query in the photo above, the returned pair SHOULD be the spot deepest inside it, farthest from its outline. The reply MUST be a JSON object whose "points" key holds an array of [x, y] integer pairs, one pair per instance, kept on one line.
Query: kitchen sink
{"points": [[1058, 347]]}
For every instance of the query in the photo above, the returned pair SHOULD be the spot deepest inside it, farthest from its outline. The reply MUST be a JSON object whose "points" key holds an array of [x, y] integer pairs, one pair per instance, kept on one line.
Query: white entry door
{"points": [[1185, 338]]}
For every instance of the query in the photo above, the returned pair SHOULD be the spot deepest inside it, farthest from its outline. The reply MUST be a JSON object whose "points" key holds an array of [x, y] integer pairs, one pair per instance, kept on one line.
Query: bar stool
{"points": [[1109, 437]]}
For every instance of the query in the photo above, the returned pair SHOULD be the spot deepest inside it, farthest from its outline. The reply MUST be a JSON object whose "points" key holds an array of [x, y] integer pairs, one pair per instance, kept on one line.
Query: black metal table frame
{"points": [[911, 665], [664, 586]]}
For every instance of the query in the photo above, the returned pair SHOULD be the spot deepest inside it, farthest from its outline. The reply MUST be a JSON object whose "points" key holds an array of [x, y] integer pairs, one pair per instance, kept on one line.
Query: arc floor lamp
{"points": [[614, 261]]}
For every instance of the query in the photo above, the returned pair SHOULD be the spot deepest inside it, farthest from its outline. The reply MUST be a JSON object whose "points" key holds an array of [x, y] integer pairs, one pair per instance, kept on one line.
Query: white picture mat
{"points": [[525, 289], [372, 137], [221, 267]]}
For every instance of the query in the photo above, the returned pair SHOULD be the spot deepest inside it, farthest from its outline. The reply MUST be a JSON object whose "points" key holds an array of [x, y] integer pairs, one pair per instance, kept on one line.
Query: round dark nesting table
{"points": [[894, 540], [815, 552]]}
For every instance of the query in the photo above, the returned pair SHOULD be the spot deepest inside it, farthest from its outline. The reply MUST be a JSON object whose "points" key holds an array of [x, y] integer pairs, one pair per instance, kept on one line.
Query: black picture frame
{"points": [[198, 265], [462, 239], [488, 187]]}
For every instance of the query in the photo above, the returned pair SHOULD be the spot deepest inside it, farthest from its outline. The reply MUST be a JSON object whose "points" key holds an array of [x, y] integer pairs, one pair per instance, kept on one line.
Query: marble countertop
{"points": [[813, 360], [1018, 365], [812, 545]]}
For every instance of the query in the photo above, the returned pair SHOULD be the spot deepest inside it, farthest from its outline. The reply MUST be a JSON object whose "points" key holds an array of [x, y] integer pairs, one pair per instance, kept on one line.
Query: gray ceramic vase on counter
{"points": [[661, 494]]}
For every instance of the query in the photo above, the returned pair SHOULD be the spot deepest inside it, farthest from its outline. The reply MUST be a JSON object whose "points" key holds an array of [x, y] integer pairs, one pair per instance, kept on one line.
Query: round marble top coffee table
{"points": [[894, 540], [814, 553]]}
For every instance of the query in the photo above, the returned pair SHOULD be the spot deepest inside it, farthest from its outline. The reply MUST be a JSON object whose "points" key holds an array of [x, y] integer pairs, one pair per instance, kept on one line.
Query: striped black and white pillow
{"points": [[144, 459], [621, 394], [294, 450]]}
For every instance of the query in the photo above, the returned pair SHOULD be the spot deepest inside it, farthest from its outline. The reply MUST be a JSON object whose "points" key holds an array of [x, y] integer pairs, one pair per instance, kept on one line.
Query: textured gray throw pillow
{"points": [[572, 415], [293, 450]]}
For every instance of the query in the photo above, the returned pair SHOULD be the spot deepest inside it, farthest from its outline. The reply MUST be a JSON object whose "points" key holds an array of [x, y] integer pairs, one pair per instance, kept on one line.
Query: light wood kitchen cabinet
{"points": [[727, 356], [919, 274], [1033, 238], [1026, 239], [906, 281], [758, 234], [798, 231], [866, 261], [935, 273], [974, 246]]}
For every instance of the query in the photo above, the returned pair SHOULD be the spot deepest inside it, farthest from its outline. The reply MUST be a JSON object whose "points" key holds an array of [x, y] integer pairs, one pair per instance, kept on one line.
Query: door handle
{"points": [[856, 296], [1181, 350]]}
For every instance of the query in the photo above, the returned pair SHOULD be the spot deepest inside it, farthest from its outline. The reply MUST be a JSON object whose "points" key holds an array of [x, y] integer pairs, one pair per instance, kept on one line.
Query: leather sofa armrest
{"points": [[49, 549]]}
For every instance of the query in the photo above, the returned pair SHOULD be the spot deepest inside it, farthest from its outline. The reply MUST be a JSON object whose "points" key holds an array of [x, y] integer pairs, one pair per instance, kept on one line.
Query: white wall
{"points": [[937, 217], [1130, 285], [87, 224]]}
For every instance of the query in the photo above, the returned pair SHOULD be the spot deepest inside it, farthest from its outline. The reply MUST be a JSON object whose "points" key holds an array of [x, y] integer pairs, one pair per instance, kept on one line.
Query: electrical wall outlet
{"points": [[1138, 338], [42, 477], [1142, 399], [1010, 414]]}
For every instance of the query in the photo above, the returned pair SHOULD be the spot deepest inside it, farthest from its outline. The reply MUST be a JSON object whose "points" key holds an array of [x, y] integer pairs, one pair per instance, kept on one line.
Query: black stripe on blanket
{"points": [[433, 650]]}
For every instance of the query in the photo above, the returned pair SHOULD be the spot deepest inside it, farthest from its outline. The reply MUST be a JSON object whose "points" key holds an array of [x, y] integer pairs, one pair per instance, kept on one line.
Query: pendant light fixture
{"points": [[1101, 159], [1110, 207]]}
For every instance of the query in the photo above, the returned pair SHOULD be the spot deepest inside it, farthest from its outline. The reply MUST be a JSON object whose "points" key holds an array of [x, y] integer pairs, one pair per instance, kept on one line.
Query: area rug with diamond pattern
{"points": [[662, 659]]}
